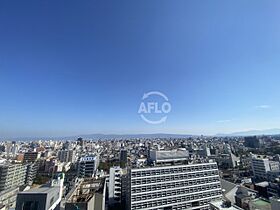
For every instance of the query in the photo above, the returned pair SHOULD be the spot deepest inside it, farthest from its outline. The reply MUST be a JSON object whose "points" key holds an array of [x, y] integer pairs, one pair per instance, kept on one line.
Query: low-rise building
{"points": [[88, 195], [43, 198]]}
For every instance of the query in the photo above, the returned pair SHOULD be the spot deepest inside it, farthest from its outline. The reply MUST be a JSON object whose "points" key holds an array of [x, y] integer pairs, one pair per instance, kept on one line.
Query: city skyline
{"points": [[83, 68]]}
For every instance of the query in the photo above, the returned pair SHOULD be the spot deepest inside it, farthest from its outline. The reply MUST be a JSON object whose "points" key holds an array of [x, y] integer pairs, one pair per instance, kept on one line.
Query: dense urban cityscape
{"points": [[196, 172]]}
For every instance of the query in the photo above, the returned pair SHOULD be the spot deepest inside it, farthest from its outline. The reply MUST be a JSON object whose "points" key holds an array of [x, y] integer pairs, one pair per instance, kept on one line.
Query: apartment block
{"points": [[12, 175], [186, 186]]}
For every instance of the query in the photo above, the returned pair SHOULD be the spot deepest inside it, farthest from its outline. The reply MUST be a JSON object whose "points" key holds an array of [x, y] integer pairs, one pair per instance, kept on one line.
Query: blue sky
{"points": [[79, 67]]}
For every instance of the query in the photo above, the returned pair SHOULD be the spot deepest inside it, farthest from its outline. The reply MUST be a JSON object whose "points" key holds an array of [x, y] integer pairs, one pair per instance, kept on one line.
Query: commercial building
{"points": [[87, 166], [260, 167], [175, 186]]}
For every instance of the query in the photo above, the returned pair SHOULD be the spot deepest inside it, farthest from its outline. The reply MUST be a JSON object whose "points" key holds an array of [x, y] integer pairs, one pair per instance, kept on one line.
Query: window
{"points": [[30, 205]]}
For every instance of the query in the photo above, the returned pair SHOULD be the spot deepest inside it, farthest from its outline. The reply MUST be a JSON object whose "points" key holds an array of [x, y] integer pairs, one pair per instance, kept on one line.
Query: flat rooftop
{"points": [[172, 164], [220, 205], [40, 190], [261, 204], [86, 190]]}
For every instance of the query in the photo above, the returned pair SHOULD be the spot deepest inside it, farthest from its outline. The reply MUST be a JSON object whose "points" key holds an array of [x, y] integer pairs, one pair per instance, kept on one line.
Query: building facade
{"points": [[115, 185], [12, 175], [187, 186], [123, 158], [87, 166], [31, 157], [66, 156], [42, 198], [261, 166]]}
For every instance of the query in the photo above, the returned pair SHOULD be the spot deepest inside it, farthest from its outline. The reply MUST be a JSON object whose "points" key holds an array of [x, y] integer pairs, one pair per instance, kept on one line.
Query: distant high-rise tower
{"points": [[252, 142], [81, 142], [123, 158]]}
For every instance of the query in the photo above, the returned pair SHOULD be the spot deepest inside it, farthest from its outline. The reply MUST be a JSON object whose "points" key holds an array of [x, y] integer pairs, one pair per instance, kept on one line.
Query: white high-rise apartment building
{"points": [[115, 185], [261, 165], [185, 186]]}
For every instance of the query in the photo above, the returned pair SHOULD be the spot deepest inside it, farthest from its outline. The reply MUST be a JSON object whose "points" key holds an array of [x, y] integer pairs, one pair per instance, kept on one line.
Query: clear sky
{"points": [[70, 67]]}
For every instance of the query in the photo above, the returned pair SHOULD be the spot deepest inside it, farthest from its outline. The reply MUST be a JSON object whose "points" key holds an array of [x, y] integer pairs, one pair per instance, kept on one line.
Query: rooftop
{"points": [[260, 204], [176, 163], [262, 184], [41, 190], [221, 205], [86, 190]]}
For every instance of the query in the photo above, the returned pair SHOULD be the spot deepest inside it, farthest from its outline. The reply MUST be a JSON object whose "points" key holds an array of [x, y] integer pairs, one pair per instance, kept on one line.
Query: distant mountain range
{"points": [[121, 136], [103, 136], [274, 131]]}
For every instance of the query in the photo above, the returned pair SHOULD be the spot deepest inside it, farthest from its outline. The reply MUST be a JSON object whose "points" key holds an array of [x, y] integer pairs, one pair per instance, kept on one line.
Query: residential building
{"points": [[115, 185], [8, 198], [12, 175], [175, 186], [66, 156], [31, 172], [31, 157]]}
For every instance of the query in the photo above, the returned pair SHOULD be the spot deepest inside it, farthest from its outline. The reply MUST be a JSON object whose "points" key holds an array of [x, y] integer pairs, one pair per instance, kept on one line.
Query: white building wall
{"points": [[190, 186]]}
